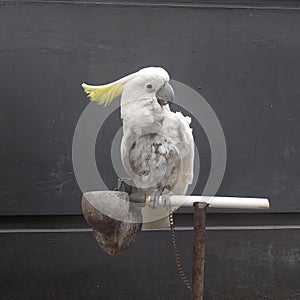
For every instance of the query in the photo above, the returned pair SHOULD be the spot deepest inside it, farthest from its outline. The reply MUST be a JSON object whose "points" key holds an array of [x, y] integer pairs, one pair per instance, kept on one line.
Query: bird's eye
{"points": [[149, 86]]}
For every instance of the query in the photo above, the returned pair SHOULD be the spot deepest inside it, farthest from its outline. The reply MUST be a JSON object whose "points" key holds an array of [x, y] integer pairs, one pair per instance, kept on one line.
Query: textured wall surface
{"points": [[245, 62], [242, 56], [239, 265]]}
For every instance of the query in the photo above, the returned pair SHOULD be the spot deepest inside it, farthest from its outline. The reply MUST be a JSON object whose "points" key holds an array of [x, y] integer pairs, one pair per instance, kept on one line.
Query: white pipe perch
{"points": [[215, 201], [222, 202]]}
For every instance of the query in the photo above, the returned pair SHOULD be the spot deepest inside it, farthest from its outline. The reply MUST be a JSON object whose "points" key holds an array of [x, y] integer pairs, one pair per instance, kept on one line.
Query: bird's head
{"points": [[147, 84]]}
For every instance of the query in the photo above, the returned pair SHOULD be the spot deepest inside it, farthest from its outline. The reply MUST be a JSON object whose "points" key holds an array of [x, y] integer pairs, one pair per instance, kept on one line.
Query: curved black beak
{"points": [[165, 95]]}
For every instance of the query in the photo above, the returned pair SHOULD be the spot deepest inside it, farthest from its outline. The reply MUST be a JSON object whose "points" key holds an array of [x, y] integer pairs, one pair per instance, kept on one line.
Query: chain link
{"points": [[177, 256]]}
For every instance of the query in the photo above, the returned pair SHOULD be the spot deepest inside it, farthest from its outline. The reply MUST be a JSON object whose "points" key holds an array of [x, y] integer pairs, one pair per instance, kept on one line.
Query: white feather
{"points": [[157, 148], [145, 122]]}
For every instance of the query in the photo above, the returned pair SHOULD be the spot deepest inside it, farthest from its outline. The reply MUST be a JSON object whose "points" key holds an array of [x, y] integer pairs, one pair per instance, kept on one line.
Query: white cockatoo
{"points": [[157, 148]]}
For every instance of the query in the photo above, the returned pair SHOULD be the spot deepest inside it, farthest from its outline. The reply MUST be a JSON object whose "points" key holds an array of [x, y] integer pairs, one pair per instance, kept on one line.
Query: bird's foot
{"points": [[154, 198], [165, 197]]}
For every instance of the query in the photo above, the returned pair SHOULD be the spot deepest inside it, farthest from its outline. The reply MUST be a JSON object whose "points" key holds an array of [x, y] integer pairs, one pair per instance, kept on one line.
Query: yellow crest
{"points": [[103, 94]]}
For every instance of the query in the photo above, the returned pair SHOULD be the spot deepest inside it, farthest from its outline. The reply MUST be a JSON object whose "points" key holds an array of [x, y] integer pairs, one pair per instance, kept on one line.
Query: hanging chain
{"points": [[124, 186], [177, 256]]}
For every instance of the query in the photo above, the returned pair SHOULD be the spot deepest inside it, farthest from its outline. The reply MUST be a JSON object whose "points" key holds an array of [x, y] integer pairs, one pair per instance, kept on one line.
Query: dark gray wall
{"points": [[243, 57], [246, 62], [251, 265]]}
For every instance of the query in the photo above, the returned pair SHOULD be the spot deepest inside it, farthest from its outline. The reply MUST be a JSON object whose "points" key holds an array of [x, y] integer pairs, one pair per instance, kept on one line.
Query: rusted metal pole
{"points": [[199, 250]]}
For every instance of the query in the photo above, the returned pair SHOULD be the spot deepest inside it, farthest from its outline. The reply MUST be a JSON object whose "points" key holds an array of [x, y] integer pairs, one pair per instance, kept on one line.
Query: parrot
{"points": [[157, 147]]}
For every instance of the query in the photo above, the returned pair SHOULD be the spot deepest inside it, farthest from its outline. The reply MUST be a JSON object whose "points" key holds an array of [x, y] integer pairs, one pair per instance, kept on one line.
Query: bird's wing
{"points": [[176, 127], [126, 144]]}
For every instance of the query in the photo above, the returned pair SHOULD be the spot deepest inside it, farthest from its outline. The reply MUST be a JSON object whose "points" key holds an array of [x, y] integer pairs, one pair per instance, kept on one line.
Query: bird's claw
{"points": [[164, 201], [165, 197], [154, 198]]}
